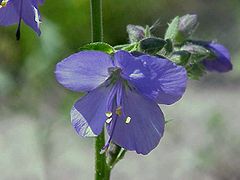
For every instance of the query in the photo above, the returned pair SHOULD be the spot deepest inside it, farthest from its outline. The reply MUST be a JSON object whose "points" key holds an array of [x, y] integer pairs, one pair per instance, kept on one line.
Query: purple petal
{"points": [[83, 71], [130, 65], [156, 78], [8, 15], [37, 2], [141, 126], [88, 113], [30, 14], [222, 62]]}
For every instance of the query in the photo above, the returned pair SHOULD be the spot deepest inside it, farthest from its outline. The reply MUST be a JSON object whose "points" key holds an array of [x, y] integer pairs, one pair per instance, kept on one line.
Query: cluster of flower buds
{"points": [[124, 84], [132, 79], [196, 56]]}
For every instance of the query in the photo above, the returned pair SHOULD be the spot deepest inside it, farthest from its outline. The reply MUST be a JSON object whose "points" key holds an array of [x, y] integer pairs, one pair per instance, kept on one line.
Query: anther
{"points": [[119, 111], [3, 3], [128, 120], [108, 120], [108, 114]]}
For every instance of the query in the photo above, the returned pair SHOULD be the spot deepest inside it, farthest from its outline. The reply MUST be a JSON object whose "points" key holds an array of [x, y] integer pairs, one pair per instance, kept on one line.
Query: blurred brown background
{"points": [[37, 141]]}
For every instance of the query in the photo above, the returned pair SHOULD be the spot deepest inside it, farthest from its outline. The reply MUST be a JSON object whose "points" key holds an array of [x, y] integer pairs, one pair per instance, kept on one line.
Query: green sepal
{"points": [[127, 47], [151, 45], [121, 46], [147, 32], [98, 46], [203, 44], [198, 53], [172, 30], [195, 71], [180, 57], [168, 47], [114, 154]]}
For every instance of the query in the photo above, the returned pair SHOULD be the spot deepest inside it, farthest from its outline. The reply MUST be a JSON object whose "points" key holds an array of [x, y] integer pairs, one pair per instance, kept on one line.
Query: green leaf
{"points": [[172, 30], [152, 45], [98, 46], [168, 46]]}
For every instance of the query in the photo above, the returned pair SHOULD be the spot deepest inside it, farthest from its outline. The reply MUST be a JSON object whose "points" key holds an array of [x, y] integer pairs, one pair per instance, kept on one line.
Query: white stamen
{"points": [[128, 120], [3, 3], [108, 120], [108, 114]]}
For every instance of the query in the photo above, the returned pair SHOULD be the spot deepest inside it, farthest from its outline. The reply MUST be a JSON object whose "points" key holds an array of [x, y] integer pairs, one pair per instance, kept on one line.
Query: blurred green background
{"points": [[37, 141]]}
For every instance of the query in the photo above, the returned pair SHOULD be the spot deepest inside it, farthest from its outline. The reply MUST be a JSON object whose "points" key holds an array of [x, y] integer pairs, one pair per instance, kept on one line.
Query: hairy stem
{"points": [[97, 36], [100, 159], [96, 21]]}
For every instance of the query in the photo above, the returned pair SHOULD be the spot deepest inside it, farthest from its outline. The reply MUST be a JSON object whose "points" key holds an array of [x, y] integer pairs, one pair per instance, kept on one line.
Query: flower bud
{"points": [[188, 24], [198, 53], [181, 28], [135, 33]]}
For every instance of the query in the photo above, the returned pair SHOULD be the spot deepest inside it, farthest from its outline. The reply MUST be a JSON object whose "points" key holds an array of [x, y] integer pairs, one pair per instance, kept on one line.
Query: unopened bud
{"points": [[135, 33], [188, 24], [198, 52], [181, 28]]}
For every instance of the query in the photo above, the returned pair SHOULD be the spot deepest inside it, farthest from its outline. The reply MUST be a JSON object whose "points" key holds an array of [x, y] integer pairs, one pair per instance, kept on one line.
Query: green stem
{"points": [[107, 173], [100, 159], [96, 20], [97, 36]]}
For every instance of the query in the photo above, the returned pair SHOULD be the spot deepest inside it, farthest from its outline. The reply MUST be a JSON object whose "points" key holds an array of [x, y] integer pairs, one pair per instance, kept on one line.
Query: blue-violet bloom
{"points": [[123, 92], [222, 60], [14, 11]]}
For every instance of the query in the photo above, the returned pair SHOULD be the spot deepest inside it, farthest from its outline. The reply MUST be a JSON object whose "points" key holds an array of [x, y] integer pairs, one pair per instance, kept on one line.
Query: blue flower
{"points": [[14, 11], [123, 92], [222, 60]]}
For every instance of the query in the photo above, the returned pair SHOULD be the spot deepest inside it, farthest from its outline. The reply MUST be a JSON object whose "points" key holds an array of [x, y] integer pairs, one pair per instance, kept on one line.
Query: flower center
{"points": [[114, 73], [115, 109], [3, 3]]}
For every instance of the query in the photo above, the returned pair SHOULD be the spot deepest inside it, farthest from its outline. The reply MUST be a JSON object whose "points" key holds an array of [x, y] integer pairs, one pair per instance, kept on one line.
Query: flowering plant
{"points": [[125, 84], [14, 11]]}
